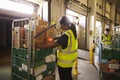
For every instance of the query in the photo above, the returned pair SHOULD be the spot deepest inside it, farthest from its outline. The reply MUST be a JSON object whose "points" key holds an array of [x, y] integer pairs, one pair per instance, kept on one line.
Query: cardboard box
{"points": [[50, 34], [42, 23], [16, 42], [104, 67], [114, 66], [21, 35], [40, 39]]}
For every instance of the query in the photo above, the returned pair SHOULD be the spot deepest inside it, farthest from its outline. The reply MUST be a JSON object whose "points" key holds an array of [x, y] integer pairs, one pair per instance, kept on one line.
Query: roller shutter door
{"points": [[78, 7]]}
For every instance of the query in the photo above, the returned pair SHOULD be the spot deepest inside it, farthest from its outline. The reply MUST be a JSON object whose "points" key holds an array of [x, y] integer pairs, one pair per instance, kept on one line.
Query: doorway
{"points": [[80, 21]]}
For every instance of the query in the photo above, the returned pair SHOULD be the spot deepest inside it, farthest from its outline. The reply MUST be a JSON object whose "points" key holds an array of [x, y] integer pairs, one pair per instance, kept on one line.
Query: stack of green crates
{"points": [[40, 56], [19, 60], [116, 54], [20, 52], [110, 54]]}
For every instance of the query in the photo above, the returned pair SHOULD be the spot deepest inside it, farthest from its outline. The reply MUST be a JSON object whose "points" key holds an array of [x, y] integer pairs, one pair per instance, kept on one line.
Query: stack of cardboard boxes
{"points": [[21, 35]]}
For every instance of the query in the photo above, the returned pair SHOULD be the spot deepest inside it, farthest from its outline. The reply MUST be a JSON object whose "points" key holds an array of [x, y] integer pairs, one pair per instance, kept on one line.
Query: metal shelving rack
{"points": [[28, 62]]}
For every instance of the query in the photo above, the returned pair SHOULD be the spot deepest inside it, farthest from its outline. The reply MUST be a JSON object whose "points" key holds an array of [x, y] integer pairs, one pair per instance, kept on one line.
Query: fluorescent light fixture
{"points": [[18, 7]]}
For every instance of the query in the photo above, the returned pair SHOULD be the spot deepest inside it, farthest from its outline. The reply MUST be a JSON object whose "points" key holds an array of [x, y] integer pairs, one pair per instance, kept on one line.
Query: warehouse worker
{"points": [[67, 49], [106, 38]]}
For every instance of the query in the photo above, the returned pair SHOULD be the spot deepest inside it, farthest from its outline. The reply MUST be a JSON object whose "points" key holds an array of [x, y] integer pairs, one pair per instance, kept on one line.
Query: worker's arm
{"points": [[49, 45], [61, 41]]}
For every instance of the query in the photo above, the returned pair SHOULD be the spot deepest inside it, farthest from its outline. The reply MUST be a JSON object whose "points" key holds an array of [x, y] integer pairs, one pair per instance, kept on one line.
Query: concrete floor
{"points": [[5, 62], [86, 70]]}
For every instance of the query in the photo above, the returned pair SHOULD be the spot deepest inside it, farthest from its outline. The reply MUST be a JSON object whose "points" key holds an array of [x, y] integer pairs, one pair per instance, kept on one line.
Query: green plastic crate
{"points": [[50, 65], [106, 54], [116, 54], [15, 51], [21, 52], [19, 61], [40, 54], [38, 63], [14, 77], [18, 71]]}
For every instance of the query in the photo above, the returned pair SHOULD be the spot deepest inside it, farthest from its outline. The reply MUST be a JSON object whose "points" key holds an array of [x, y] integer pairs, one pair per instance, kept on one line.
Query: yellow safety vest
{"points": [[67, 56], [106, 39]]}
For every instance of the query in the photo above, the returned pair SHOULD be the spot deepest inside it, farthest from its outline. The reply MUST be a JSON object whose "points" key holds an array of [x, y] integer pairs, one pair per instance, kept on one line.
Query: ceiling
{"points": [[118, 5], [117, 2], [13, 14]]}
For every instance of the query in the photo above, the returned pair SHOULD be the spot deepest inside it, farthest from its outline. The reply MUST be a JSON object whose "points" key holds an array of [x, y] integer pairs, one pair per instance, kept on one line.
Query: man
{"points": [[106, 38]]}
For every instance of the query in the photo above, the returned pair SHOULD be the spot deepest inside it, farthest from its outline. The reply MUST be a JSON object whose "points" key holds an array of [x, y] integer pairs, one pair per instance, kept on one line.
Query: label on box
{"points": [[114, 66]]}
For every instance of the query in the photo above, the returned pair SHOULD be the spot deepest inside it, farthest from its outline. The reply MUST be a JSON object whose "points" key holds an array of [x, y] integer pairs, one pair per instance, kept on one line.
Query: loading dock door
{"points": [[82, 32], [80, 21]]}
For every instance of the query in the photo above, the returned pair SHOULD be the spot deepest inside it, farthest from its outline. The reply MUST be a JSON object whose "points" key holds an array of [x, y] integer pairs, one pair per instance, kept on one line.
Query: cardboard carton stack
{"points": [[21, 35]]}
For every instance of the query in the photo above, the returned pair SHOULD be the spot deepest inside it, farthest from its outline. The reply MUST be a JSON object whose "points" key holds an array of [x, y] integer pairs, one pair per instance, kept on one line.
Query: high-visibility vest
{"points": [[106, 39], [67, 56]]}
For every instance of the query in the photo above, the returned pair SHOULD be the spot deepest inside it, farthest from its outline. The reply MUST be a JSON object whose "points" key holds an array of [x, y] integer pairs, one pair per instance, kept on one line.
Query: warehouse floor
{"points": [[85, 69], [5, 62]]}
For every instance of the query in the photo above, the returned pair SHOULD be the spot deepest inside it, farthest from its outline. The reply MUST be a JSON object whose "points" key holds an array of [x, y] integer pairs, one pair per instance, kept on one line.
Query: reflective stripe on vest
{"points": [[69, 51], [66, 61], [67, 56]]}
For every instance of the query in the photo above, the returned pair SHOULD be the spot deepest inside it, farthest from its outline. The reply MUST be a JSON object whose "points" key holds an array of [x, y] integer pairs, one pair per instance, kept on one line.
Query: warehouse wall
{"points": [[2, 33], [91, 22], [57, 9], [5, 32]]}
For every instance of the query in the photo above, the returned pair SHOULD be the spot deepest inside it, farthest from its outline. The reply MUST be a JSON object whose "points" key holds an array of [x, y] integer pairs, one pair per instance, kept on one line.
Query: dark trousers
{"points": [[65, 73]]}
